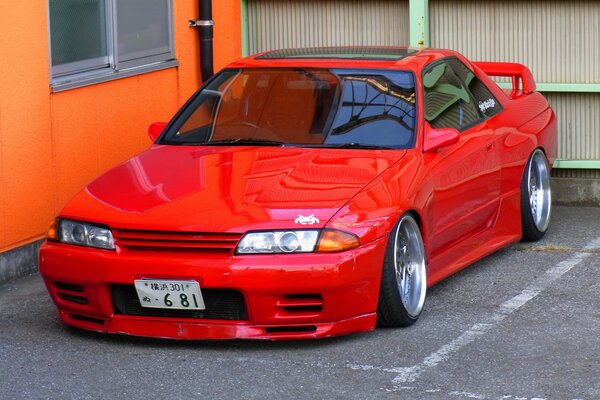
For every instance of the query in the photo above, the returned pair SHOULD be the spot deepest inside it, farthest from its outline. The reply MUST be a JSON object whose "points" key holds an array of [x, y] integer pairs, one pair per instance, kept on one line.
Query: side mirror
{"points": [[156, 129], [437, 138]]}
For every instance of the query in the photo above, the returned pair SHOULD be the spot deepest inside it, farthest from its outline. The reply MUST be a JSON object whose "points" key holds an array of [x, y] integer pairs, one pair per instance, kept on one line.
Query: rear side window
{"points": [[448, 103], [487, 104]]}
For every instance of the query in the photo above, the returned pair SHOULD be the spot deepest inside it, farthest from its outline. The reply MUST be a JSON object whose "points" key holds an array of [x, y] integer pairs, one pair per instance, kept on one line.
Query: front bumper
{"points": [[291, 296]]}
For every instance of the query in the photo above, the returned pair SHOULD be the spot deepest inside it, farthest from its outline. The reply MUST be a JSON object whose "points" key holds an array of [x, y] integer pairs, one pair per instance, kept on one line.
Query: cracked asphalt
{"points": [[523, 323]]}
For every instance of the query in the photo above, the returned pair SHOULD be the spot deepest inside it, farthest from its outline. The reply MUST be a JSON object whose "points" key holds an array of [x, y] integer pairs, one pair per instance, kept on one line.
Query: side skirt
{"points": [[505, 231]]}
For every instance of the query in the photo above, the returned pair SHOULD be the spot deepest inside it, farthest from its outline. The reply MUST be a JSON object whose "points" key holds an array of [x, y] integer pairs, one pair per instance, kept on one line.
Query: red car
{"points": [[307, 193]]}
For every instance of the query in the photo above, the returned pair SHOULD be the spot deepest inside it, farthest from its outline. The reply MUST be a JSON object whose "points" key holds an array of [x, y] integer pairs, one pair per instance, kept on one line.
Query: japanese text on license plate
{"points": [[179, 295]]}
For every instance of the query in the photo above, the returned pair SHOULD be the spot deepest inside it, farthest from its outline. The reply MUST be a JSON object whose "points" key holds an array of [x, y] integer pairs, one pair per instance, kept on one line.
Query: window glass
{"points": [[448, 103], [375, 109], [199, 125], [487, 104], [299, 106], [107, 35], [78, 32], [142, 28]]}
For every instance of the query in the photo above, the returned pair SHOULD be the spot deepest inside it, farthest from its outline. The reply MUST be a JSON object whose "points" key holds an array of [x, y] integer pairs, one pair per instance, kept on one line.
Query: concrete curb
{"points": [[19, 262], [576, 191]]}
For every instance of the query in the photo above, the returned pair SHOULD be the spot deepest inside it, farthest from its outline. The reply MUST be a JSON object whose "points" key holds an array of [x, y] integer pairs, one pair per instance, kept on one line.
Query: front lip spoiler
{"points": [[159, 328]]}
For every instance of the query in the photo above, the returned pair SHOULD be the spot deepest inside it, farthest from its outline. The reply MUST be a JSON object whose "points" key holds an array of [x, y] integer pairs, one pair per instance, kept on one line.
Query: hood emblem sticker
{"points": [[310, 220]]}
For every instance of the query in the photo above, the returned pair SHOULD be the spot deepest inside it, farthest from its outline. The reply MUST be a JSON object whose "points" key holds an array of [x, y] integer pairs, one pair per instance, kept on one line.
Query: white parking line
{"points": [[412, 373]]}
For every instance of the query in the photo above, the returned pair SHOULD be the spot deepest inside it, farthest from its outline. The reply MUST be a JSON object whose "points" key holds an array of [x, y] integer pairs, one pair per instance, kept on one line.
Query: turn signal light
{"points": [[52, 234], [334, 241]]}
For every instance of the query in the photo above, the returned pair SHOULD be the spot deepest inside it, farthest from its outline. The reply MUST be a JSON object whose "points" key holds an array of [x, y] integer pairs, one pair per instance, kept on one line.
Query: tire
{"points": [[404, 277], [536, 198]]}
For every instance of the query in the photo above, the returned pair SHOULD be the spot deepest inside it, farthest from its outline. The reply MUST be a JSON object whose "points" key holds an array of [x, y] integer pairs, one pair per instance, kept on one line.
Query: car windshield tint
{"points": [[301, 107]]}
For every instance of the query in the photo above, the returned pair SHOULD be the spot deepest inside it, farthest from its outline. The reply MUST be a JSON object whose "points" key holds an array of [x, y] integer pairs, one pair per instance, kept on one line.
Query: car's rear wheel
{"points": [[536, 197], [404, 278]]}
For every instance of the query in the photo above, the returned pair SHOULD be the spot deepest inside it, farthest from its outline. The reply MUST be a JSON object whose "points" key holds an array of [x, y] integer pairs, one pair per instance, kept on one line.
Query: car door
{"points": [[465, 176]]}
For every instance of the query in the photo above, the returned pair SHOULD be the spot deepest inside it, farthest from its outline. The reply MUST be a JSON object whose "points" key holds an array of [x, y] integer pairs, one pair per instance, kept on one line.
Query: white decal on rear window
{"points": [[485, 105]]}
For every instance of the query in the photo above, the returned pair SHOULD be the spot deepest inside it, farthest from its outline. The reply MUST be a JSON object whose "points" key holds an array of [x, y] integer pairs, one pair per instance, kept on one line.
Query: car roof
{"points": [[346, 53], [381, 57]]}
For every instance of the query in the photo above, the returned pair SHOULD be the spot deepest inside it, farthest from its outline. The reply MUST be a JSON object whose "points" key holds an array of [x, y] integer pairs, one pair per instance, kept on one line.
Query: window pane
{"points": [[200, 124], [142, 29], [376, 109], [77, 31], [485, 100], [302, 106], [447, 103]]}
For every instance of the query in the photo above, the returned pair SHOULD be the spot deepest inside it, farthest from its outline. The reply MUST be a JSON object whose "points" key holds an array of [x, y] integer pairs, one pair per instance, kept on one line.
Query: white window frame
{"points": [[111, 67]]}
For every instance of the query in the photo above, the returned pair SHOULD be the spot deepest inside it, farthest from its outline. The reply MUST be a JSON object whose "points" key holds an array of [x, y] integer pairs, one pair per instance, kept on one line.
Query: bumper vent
{"points": [[69, 286], [70, 292], [301, 303], [176, 240], [224, 304], [84, 318], [291, 329], [72, 298]]}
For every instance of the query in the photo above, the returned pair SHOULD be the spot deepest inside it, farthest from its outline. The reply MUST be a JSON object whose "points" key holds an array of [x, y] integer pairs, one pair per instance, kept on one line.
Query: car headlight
{"points": [[296, 241], [84, 234]]}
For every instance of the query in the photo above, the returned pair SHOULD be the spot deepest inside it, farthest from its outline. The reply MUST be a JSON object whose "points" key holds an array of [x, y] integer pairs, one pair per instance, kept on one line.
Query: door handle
{"points": [[490, 146]]}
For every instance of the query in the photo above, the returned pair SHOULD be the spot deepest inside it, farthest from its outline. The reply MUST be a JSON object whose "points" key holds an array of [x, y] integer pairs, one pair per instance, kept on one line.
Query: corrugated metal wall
{"points": [[274, 24], [579, 130], [558, 40], [579, 124]]}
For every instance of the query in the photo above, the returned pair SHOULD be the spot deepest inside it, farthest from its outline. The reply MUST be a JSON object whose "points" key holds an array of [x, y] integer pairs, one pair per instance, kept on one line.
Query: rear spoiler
{"points": [[514, 70]]}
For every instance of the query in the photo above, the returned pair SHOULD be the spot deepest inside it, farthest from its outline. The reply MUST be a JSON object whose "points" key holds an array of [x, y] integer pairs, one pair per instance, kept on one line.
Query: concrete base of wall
{"points": [[576, 191], [19, 262]]}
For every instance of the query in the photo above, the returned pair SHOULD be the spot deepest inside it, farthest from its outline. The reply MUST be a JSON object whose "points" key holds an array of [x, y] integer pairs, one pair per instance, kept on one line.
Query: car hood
{"points": [[228, 189]]}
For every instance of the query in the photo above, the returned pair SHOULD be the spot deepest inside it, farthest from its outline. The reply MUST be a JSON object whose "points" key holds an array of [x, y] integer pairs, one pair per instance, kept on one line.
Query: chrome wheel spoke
{"points": [[406, 290]]}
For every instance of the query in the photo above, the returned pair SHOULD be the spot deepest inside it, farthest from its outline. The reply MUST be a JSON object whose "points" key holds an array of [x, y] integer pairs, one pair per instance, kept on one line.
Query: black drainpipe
{"points": [[205, 25]]}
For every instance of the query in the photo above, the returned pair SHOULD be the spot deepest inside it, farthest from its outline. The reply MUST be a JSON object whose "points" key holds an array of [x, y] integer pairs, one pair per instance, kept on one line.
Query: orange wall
{"points": [[52, 144]]}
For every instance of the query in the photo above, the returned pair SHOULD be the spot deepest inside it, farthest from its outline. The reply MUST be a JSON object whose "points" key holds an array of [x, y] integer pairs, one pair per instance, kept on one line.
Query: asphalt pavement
{"points": [[523, 323]]}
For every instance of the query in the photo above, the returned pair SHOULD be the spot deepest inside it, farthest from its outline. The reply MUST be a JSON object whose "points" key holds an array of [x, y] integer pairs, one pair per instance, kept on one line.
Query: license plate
{"points": [[177, 295]]}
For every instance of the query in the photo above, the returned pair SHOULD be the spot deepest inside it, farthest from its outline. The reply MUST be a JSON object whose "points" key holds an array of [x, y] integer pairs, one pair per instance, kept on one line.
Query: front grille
{"points": [[176, 240], [220, 304]]}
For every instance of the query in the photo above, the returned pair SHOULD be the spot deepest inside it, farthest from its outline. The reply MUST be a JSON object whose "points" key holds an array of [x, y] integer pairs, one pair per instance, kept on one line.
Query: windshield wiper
{"points": [[244, 142], [354, 145]]}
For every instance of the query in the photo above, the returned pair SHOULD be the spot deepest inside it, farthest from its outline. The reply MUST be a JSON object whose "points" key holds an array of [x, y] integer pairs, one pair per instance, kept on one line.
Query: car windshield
{"points": [[300, 107]]}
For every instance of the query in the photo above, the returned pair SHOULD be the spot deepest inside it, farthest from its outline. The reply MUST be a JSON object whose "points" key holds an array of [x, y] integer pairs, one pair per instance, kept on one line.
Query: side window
{"points": [[448, 104], [487, 104]]}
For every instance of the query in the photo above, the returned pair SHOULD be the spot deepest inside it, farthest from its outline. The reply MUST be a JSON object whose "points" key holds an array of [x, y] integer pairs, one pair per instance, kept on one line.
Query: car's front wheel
{"points": [[536, 197], [404, 278]]}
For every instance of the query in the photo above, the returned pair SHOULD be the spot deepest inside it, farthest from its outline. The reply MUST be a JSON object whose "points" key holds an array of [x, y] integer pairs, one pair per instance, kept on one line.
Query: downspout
{"points": [[205, 25]]}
